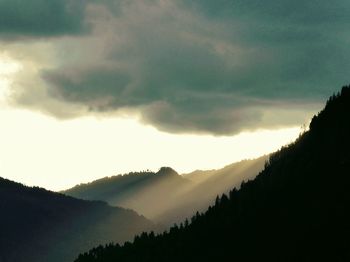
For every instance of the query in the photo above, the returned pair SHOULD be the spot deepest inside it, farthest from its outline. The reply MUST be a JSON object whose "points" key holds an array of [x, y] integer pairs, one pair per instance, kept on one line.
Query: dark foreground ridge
{"points": [[297, 208], [37, 225]]}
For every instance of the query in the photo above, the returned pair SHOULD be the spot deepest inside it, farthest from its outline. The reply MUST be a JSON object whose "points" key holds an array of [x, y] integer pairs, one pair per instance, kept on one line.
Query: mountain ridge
{"points": [[296, 209], [49, 226], [182, 195]]}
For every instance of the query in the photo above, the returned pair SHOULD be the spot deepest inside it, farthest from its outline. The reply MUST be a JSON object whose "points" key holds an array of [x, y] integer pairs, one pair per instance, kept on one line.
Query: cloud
{"points": [[20, 18], [215, 67], [81, 86]]}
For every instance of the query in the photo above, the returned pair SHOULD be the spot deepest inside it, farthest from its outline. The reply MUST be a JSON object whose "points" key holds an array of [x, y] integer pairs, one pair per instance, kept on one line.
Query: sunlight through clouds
{"points": [[59, 154], [8, 68], [182, 85]]}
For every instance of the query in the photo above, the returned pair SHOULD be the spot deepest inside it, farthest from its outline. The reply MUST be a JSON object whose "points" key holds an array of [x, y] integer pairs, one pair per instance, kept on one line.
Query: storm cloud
{"points": [[19, 18], [215, 67]]}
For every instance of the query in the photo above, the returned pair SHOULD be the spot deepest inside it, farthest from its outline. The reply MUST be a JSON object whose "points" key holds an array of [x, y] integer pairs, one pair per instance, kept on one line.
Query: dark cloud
{"points": [[297, 12], [19, 18], [81, 87], [205, 66]]}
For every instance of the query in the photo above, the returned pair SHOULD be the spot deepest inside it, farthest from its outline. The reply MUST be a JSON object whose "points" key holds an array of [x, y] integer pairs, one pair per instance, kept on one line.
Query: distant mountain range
{"points": [[167, 197], [37, 225], [48, 226], [296, 209], [145, 192]]}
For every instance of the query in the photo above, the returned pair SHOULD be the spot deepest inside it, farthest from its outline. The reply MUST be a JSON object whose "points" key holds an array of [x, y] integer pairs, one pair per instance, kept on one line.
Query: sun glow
{"points": [[8, 68], [39, 150]]}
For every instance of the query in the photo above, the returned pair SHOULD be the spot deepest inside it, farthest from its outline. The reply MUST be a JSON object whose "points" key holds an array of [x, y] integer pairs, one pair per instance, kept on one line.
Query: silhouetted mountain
{"points": [[167, 171], [296, 209], [146, 192], [41, 226], [206, 185], [165, 196], [239, 171]]}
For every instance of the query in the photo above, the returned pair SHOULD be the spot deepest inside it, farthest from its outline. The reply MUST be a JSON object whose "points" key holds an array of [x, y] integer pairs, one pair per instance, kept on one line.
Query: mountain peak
{"points": [[167, 171]]}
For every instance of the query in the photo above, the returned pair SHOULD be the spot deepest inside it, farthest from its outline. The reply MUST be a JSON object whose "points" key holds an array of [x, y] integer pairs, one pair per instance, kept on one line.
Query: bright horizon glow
{"points": [[42, 151], [39, 150]]}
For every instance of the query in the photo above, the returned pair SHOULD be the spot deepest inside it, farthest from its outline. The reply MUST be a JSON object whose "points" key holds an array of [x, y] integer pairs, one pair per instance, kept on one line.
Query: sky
{"points": [[95, 88]]}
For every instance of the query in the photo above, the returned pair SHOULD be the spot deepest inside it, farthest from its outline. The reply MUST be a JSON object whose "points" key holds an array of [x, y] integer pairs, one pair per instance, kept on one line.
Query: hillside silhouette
{"points": [[39, 225], [207, 184], [296, 209], [148, 193], [165, 196]]}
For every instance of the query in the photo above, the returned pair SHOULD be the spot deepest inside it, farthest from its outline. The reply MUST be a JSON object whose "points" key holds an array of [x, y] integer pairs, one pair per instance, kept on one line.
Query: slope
{"points": [[165, 196], [39, 225], [239, 171], [297, 208], [139, 191], [207, 184]]}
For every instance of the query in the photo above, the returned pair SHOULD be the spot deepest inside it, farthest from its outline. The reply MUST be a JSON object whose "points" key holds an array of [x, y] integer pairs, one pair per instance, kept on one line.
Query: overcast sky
{"points": [[201, 69]]}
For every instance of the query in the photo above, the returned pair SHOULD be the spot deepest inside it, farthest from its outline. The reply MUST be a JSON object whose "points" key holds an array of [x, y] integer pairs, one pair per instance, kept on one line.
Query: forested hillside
{"points": [[296, 209]]}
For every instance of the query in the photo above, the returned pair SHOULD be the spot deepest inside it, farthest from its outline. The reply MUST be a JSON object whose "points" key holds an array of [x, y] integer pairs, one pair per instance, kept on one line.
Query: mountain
{"points": [[39, 225], [146, 192], [296, 209], [236, 172], [207, 184], [167, 197]]}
